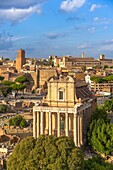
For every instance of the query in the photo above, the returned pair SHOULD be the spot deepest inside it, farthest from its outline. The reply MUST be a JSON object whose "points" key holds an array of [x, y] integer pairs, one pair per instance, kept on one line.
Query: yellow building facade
{"points": [[66, 110]]}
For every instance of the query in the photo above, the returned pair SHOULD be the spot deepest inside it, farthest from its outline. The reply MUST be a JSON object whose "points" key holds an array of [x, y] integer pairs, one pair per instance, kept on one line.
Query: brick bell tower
{"points": [[20, 60]]}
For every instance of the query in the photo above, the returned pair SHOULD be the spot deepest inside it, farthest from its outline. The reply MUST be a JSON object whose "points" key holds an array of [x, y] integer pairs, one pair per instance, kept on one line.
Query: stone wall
{"points": [[44, 74]]}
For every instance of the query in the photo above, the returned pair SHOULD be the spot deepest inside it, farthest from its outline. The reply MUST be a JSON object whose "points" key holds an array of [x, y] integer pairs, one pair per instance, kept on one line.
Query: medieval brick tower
{"points": [[20, 60]]}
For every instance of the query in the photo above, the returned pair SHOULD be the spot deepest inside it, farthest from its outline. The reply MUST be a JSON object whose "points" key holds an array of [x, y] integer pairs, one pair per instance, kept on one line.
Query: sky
{"points": [[56, 27]]}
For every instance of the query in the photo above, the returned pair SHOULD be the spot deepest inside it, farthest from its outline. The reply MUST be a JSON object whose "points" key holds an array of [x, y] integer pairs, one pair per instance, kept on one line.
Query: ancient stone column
{"points": [[50, 123], [34, 124], [81, 138], [78, 120], [75, 130], [53, 124], [67, 124], [70, 123], [46, 123], [38, 124], [49, 95], [41, 123], [58, 124]]}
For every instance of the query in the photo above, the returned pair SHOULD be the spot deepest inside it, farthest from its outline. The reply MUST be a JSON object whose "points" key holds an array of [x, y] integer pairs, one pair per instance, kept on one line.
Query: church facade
{"points": [[66, 110]]}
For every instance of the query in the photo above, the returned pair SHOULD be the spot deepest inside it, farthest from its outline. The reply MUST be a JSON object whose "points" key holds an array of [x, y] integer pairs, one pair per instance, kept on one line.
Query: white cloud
{"points": [[92, 29], [106, 48], [96, 19], [103, 20], [53, 35], [16, 14], [7, 40], [95, 6], [84, 46], [16, 38], [7, 4], [106, 45], [14, 11], [70, 5]]}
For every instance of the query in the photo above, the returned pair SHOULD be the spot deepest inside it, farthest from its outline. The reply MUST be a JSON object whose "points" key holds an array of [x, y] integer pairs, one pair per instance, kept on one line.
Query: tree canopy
{"points": [[17, 87], [97, 163], [46, 152], [3, 108], [100, 134], [108, 105], [18, 121], [102, 79], [100, 113], [21, 79], [1, 78], [5, 90]]}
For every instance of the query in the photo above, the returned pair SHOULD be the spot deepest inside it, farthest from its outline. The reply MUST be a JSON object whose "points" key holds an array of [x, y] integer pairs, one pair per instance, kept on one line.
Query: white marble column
{"points": [[38, 124], [81, 137], [67, 124], [58, 124], [78, 130], [50, 123], [75, 130], [42, 123], [70, 123], [34, 124], [49, 95]]}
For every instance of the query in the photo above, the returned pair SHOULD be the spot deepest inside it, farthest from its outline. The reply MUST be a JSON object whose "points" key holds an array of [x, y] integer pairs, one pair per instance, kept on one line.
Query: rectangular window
{"points": [[61, 95]]}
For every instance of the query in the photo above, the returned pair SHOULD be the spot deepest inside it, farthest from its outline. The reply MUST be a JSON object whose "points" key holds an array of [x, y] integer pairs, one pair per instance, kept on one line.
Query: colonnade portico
{"points": [[49, 123], [66, 110]]}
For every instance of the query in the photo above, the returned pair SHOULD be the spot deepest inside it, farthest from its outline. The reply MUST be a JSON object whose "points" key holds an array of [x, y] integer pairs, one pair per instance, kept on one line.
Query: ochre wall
{"points": [[45, 74], [68, 88]]}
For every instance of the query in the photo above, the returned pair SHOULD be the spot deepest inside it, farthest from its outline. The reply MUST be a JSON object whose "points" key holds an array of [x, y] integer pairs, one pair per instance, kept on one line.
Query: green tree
{"points": [[20, 155], [46, 153], [17, 121], [23, 82], [97, 163], [5, 90], [23, 123], [76, 160], [22, 79], [98, 79], [18, 87], [95, 79], [1, 78], [108, 105], [3, 108], [6, 82], [100, 134], [109, 78], [100, 113]]}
